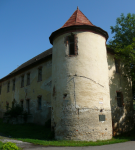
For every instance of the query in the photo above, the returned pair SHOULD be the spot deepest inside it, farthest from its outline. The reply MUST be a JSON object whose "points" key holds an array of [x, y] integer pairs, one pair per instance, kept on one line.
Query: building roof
{"points": [[77, 18], [43, 56], [35, 60]]}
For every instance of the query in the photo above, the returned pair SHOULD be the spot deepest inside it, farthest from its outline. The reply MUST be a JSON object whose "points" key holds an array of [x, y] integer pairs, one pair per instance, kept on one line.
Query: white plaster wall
{"points": [[84, 78]]}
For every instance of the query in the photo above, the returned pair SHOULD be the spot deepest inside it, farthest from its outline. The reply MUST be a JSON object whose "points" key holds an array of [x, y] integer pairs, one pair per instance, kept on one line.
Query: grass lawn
{"points": [[42, 135], [1, 145]]}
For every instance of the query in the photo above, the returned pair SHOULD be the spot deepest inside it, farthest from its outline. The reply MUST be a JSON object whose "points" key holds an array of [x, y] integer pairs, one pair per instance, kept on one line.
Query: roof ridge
{"points": [[76, 14]]}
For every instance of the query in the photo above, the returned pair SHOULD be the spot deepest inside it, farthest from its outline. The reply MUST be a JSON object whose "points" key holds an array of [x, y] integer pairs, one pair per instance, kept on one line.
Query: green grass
{"points": [[41, 135], [1, 144]]}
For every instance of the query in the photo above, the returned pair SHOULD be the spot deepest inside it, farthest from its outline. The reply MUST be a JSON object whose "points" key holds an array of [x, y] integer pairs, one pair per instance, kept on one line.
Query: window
{"points": [[8, 86], [13, 103], [119, 99], [71, 41], [7, 105], [117, 66], [0, 89], [28, 105], [21, 103], [22, 81], [40, 74], [28, 78], [71, 45], [14, 85], [39, 102]]}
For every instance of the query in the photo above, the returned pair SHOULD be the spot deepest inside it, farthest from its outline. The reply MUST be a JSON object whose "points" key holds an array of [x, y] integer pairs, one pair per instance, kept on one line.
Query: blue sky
{"points": [[25, 25]]}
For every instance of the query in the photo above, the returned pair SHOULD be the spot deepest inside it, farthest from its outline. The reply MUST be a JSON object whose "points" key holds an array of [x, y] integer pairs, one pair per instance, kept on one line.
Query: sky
{"points": [[25, 25]]}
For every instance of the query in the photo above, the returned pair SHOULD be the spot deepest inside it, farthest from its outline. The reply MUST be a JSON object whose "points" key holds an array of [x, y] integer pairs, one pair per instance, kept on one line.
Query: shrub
{"points": [[10, 146], [14, 111]]}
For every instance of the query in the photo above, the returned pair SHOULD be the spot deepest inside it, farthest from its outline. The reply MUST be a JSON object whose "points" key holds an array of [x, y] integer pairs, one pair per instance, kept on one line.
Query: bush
{"points": [[14, 111], [10, 146]]}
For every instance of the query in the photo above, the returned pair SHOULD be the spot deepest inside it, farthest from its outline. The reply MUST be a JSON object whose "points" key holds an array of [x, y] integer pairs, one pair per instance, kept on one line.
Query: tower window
{"points": [[117, 66], [71, 45], [28, 79], [22, 81], [71, 41], [119, 99], [8, 86]]}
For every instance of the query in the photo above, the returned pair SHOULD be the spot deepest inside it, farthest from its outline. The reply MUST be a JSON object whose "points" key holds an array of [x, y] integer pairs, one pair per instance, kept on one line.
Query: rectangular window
{"points": [[28, 79], [119, 99], [40, 74], [7, 105], [28, 105], [8, 86], [0, 89], [117, 66], [71, 44], [14, 85], [22, 81], [21, 103], [39, 102]]}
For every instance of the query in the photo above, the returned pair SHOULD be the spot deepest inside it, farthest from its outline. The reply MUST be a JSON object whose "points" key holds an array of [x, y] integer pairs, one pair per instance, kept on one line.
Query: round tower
{"points": [[80, 86]]}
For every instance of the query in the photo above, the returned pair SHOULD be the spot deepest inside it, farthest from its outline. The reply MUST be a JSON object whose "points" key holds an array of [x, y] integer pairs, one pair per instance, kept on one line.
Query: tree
{"points": [[123, 42]]}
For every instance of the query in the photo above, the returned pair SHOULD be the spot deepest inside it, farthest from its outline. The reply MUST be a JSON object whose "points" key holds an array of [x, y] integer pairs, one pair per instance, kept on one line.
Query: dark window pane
{"points": [[119, 99]]}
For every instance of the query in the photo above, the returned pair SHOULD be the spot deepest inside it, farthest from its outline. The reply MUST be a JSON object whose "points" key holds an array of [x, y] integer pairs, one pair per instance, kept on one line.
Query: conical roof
{"points": [[77, 22], [77, 18]]}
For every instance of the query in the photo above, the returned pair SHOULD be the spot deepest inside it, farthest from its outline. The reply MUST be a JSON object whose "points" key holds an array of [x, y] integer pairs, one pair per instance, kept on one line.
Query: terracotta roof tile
{"points": [[77, 18]]}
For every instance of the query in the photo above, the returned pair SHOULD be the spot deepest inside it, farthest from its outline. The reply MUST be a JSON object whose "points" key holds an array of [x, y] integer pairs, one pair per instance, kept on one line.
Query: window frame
{"points": [[74, 42], [8, 86], [22, 81], [39, 107], [119, 99], [22, 103], [13, 85], [28, 79], [117, 66], [40, 70]]}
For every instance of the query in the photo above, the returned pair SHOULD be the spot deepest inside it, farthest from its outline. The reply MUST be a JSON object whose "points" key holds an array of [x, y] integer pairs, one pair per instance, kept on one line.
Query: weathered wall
{"points": [[122, 117], [31, 92], [80, 89]]}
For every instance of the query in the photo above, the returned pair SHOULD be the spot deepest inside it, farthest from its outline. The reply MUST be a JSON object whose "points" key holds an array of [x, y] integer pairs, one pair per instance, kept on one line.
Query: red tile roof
{"points": [[77, 18]]}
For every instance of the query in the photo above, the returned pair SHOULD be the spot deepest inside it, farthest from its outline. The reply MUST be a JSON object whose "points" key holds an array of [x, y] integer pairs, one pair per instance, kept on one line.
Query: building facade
{"points": [[78, 84]]}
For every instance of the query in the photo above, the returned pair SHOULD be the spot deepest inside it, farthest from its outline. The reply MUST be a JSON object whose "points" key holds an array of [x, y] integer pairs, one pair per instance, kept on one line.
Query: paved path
{"points": [[119, 146], [29, 146]]}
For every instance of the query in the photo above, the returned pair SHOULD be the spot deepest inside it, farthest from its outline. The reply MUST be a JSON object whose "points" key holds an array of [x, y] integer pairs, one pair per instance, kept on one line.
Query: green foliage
{"points": [[123, 43], [10, 146], [14, 111]]}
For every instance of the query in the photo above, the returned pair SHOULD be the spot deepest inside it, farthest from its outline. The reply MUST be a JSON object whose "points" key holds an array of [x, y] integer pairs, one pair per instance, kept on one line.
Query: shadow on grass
{"points": [[26, 131], [130, 136], [42, 135]]}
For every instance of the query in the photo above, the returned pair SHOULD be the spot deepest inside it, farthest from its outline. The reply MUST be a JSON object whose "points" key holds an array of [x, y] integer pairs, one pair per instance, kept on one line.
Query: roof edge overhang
{"points": [[75, 28]]}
